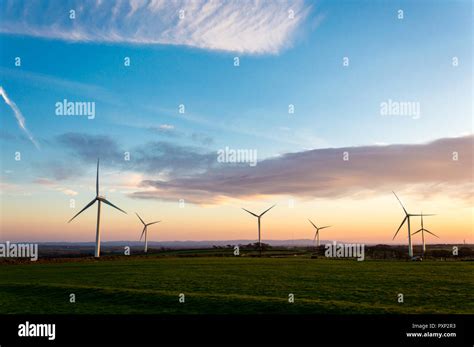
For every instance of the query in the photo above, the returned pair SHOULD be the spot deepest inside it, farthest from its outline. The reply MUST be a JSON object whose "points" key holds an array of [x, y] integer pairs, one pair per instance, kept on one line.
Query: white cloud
{"points": [[243, 26], [69, 192], [166, 127]]}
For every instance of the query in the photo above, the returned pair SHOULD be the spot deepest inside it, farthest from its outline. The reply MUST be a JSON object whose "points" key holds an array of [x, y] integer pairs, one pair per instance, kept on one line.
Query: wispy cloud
{"points": [[202, 139], [166, 127], [51, 184], [44, 81], [18, 115], [245, 26], [152, 158]]}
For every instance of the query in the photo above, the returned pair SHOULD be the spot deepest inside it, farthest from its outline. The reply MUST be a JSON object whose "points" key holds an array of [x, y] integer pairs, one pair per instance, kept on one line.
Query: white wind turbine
{"points": [[422, 229], [258, 217], [407, 219], [316, 235], [145, 230], [99, 200]]}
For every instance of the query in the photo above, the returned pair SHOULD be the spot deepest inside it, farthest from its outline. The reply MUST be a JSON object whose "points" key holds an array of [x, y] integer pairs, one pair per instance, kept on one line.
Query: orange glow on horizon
{"points": [[370, 220]]}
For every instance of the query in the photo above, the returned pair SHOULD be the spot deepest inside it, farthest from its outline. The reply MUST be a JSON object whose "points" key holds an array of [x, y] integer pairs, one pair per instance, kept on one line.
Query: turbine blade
{"points": [[404, 219], [416, 232], [140, 218], [315, 234], [400, 203], [152, 223], [97, 180], [267, 210], [327, 226], [250, 212], [144, 228], [429, 232], [109, 203], [313, 224], [85, 208]]}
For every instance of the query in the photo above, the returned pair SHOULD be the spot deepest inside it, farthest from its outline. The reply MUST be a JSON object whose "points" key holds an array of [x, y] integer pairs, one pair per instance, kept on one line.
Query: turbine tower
{"points": [[258, 217], [407, 219], [317, 231], [145, 230], [99, 200], [423, 234]]}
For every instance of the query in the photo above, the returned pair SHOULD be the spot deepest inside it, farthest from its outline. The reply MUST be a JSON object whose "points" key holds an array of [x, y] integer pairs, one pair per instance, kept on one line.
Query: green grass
{"points": [[232, 285]]}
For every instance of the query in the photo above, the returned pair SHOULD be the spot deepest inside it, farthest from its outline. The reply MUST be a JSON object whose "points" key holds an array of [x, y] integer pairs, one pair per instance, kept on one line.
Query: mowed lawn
{"points": [[231, 285]]}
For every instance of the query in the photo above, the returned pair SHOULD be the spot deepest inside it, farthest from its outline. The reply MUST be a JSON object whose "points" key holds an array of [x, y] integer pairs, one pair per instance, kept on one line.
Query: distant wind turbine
{"points": [[423, 234], [145, 230], [258, 217], [99, 200], [316, 235], [407, 219]]}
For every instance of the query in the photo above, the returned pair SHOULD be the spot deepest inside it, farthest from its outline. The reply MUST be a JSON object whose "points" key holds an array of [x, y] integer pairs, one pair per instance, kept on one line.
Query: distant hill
{"points": [[188, 244], [209, 243]]}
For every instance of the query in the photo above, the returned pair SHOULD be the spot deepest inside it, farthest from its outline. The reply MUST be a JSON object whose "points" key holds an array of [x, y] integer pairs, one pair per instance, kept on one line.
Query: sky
{"points": [[333, 63]]}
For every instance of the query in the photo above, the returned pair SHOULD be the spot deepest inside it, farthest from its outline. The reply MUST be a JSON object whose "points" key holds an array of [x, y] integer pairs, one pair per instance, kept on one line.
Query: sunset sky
{"points": [[283, 61]]}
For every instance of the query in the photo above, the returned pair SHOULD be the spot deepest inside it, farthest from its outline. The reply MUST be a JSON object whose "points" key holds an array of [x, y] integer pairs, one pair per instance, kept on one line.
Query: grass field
{"points": [[233, 285]]}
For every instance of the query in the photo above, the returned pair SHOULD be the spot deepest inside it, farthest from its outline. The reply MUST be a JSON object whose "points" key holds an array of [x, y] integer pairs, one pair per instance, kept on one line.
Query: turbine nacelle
{"points": [[317, 230], [259, 216], [100, 199], [145, 228], [407, 216], [407, 220]]}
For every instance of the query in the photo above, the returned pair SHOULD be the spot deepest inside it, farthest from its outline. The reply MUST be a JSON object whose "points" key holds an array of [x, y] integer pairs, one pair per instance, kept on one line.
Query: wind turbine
{"points": [[407, 219], [423, 234], [99, 200], [317, 230], [145, 230], [258, 217]]}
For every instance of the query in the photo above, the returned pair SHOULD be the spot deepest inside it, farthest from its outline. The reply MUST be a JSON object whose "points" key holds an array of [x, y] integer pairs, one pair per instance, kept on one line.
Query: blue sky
{"points": [[407, 59], [239, 107]]}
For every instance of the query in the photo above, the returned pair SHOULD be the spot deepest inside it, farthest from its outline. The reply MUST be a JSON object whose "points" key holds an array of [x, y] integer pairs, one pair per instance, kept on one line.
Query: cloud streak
{"points": [[19, 116], [244, 26]]}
